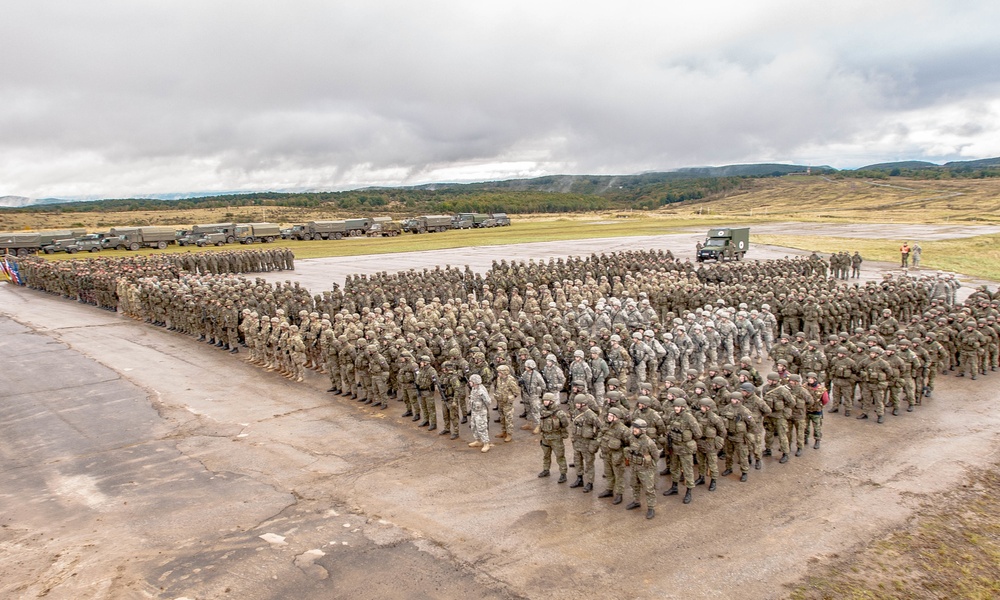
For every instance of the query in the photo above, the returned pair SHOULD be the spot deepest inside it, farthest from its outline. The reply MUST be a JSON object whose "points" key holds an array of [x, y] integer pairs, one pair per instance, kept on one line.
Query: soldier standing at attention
{"points": [[613, 442], [426, 381], [586, 431], [739, 422], [378, 366], [479, 406], [554, 424], [407, 377], [533, 385], [856, 261], [713, 434], [507, 391], [683, 431], [814, 410], [642, 457]]}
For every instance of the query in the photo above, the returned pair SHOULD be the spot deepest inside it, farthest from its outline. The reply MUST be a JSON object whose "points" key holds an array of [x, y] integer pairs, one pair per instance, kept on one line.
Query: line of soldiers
{"points": [[844, 265]]}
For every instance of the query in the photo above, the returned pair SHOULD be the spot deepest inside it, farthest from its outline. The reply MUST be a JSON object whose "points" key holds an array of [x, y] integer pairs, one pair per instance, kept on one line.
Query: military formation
{"points": [[641, 359]]}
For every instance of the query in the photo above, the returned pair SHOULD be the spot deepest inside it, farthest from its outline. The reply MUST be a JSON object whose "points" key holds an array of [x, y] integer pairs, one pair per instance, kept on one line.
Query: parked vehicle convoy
{"points": [[23, 243]]}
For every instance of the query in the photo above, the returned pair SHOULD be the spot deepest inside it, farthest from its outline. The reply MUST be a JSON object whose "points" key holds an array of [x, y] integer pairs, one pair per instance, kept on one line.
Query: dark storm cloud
{"points": [[118, 98]]}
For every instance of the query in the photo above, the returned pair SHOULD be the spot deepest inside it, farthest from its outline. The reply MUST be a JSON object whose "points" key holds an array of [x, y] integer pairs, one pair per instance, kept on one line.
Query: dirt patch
{"points": [[951, 549]]}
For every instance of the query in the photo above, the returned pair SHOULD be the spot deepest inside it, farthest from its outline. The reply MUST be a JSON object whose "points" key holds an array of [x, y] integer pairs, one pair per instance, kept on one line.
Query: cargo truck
{"points": [[725, 243], [29, 242], [227, 228], [248, 233], [383, 227], [428, 224], [150, 237], [359, 226], [319, 230]]}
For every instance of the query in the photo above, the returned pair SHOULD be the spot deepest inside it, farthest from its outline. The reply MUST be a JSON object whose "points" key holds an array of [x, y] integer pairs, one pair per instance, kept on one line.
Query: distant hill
{"points": [[974, 164], [904, 164], [16, 201], [755, 170]]}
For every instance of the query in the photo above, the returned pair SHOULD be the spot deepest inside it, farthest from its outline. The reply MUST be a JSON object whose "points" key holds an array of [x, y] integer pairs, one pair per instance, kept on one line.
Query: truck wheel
{"points": [[22, 251], [48, 250], [338, 236], [72, 251], [268, 239], [134, 246], [95, 249], [230, 239], [161, 245]]}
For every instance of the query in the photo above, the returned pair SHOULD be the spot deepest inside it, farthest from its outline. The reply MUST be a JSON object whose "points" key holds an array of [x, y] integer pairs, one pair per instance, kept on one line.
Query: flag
{"points": [[10, 272]]}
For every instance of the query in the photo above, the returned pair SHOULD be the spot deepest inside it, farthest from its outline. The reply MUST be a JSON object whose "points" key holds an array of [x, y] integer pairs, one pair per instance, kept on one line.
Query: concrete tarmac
{"points": [[140, 463]]}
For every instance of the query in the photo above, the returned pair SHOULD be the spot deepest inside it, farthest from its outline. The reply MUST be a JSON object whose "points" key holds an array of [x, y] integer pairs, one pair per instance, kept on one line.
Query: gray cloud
{"points": [[122, 98]]}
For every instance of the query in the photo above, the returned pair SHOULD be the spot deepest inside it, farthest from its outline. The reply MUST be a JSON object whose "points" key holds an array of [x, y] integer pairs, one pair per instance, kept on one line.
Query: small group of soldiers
{"points": [[844, 265]]}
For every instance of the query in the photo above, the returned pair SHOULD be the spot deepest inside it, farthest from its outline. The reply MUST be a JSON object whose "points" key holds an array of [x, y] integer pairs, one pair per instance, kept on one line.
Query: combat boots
{"points": [[687, 497], [711, 486], [700, 480], [650, 513], [588, 488], [672, 491], [486, 448], [605, 493], [617, 499], [578, 482], [544, 473], [632, 505], [783, 459], [477, 444], [816, 445], [562, 478]]}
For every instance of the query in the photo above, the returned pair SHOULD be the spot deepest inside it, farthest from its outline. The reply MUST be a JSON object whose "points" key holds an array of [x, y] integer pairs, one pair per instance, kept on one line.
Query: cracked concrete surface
{"points": [[141, 463]]}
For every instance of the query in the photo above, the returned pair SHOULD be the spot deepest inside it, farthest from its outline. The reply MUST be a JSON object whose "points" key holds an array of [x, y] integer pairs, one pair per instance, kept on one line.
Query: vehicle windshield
{"points": [[716, 242]]}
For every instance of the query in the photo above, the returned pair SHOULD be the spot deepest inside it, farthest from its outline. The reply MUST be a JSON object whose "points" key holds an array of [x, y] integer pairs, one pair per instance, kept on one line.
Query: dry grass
{"points": [[813, 198], [952, 550]]}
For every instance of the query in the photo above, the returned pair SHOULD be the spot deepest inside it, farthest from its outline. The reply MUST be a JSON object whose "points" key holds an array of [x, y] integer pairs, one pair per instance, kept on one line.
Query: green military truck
{"points": [[319, 230], [725, 243], [383, 227], [150, 237], [23, 243], [248, 233], [428, 224]]}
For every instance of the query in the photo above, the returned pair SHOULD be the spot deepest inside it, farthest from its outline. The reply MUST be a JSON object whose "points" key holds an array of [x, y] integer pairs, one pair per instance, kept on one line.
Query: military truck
{"points": [[227, 228], [248, 233], [215, 238], [150, 237], [115, 240], [501, 219], [466, 220], [67, 245], [725, 243], [383, 227], [90, 242], [319, 230], [24, 243], [428, 224], [359, 226]]}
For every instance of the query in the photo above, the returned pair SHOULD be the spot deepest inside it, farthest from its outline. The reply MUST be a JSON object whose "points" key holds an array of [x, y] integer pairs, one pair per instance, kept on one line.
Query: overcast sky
{"points": [[113, 99]]}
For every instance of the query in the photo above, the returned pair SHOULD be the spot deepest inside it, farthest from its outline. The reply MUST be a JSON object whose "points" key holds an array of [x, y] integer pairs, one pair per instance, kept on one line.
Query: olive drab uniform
{"points": [[378, 367], [641, 459], [554, 425], [613, 442], [797, 418], [426, 381], [507, 392], [449, 384], [407, 380], [814, 411], [713, 436], [779, 399], [738, 422], [875, 374], [684, 431], [842, 373], [586, 441]]}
